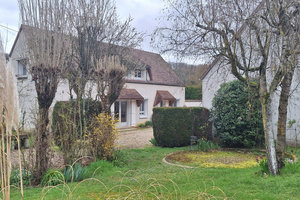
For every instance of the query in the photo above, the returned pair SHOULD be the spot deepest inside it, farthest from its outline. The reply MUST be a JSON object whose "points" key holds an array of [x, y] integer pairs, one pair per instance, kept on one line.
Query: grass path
{"points": [[142, 175]]}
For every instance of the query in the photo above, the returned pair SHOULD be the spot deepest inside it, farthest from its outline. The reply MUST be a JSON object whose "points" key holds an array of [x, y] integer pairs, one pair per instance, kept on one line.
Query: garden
{"points": [[231, 164], [141, 174]]}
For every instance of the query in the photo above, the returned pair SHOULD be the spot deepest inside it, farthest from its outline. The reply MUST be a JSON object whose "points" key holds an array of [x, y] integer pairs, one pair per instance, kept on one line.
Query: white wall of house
{"points": [[193, 103], [219, 75], [213, 81], [28, 97]]}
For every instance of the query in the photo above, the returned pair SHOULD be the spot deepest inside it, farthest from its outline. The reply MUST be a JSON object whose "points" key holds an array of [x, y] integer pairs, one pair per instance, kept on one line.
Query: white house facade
{"points": [[218, 74], [153, 85]]}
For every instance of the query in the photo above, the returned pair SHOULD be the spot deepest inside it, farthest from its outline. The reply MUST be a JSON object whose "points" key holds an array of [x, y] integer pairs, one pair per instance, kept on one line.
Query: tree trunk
{"points": [[282, 117], [266, 99], [42, 144]]}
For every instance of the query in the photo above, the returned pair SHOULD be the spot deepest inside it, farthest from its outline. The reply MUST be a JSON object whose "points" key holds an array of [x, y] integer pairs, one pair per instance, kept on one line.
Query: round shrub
{"points": [[173, 126], [236, 115]]}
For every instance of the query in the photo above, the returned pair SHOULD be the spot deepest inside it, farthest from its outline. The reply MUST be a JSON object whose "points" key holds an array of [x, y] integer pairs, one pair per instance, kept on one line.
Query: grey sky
{"points": [[143, 12]]}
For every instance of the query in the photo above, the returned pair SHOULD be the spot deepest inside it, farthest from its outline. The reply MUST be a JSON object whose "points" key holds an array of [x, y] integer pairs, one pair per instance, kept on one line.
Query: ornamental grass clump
{"points": [[102, 136], [206, 145]]}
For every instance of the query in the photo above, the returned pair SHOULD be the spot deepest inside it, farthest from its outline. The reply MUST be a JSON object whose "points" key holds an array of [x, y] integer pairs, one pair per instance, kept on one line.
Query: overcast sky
{"points": [[143, 12]]}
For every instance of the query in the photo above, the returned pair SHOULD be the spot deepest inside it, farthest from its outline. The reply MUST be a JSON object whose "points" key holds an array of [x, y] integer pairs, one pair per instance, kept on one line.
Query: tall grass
{"points": [[8, 122]]}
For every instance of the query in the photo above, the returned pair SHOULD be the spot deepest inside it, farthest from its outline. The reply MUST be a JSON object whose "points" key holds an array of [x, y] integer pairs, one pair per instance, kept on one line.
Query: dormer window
{"points": [[22, 71], [137, 73]]}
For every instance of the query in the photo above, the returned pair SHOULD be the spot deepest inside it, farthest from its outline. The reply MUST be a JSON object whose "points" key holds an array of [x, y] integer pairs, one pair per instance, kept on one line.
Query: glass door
{"points": [[121, 112]]}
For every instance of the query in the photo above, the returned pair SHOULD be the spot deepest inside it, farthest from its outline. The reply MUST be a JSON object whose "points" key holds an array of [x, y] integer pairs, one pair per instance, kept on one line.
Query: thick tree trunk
{"points": [[282, 117], [42, 144], [266, 100], [269, 138]]}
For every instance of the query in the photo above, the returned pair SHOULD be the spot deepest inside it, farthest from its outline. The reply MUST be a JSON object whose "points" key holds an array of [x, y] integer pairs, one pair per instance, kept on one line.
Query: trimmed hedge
{"points": [[193, 92], [173, 127]]}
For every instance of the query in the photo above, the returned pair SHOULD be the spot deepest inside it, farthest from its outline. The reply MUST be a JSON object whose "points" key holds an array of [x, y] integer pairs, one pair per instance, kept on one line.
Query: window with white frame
{"points": [[144, 108], [22, 71], [137, 73]]}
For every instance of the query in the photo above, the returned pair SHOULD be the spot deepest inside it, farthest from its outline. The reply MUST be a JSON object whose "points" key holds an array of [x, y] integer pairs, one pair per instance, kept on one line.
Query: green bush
{"points": [[65, 111], [193, 92], [67, 129], [141, 125], [15, 177], [236, 115], [173, 126], [74, 173], [206, 145], [120, 159], [148, 124], [52, 177], [153, 142]]}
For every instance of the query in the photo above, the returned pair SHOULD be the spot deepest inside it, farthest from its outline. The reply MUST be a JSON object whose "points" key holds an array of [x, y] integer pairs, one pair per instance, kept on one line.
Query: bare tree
{"points": [[109, 74], [98, 33], [45, 43], [283, 17], [235, 33]]}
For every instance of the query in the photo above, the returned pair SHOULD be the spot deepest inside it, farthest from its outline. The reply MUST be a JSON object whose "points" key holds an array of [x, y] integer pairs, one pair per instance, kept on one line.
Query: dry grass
{"points": [[218, 159], [8, 122]]}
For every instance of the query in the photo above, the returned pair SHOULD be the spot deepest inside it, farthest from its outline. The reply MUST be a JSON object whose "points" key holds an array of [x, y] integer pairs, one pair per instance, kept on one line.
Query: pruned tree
{"points": [[236, 33], [98, 34], [45, 47], [109, 74]]}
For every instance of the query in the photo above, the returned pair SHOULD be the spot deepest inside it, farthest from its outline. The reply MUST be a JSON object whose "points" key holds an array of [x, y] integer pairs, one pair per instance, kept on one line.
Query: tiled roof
{"points": [[164, 95], [161, 71], [131, 94]]}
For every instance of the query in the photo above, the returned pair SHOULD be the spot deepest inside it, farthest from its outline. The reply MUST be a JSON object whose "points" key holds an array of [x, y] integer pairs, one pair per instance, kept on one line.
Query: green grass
{"points": [[145, 175]]}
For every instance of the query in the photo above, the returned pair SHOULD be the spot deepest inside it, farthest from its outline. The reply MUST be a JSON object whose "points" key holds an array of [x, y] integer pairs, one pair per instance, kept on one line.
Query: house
{"points": [[219, 73], [154, 85]]}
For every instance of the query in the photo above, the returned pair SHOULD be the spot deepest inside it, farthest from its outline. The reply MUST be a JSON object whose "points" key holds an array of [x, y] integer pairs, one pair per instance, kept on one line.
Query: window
{"points": [[161, 104], [22, 71], [176, 103], [138, 73], [143, 109]]}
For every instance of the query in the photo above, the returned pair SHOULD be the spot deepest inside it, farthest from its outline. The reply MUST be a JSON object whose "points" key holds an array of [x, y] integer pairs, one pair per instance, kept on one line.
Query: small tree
{"points": [[45, 47], [237, 116], [98, 34]]}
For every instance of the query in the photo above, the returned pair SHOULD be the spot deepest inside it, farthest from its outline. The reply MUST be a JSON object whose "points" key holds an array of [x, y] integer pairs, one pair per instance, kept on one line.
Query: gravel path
{"points": [[127, 139], [134, 138]]}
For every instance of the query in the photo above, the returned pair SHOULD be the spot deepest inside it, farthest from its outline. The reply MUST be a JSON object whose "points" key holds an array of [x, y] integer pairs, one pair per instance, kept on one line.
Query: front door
{"points": [[121, 112]]}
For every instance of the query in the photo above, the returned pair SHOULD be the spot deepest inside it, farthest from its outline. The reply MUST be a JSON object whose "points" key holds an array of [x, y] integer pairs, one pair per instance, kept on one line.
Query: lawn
{"points": [[145, 176]]}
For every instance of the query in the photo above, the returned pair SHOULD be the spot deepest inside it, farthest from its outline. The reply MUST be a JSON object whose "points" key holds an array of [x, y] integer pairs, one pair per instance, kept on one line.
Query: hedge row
{"points": [[193, 92], [173, 127]]}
